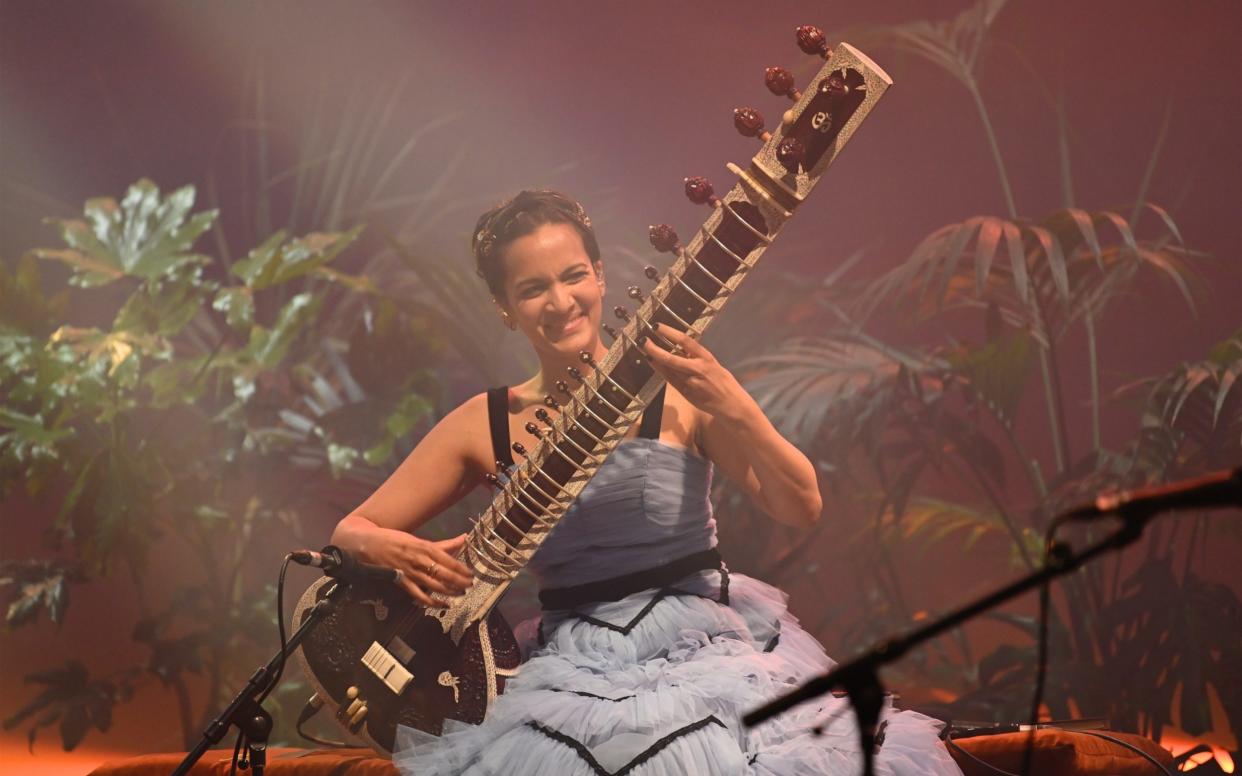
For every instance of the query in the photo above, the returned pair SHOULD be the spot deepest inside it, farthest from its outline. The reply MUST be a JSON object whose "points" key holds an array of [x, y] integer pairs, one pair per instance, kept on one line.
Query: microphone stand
{"points": [[245, 711], [859, 677]]}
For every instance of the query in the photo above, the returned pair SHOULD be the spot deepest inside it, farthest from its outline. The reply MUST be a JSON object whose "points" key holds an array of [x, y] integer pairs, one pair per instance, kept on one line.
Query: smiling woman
{"points": [[649, 650]]}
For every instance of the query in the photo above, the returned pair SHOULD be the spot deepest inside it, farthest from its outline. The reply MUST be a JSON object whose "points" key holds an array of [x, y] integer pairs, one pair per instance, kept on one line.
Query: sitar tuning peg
{"points": [[611, 332], [699, 191], [635, 293], [790, 153], [519, 448], [664, 238], [621, 312], [532, 429], [811, 40], [834, 86], [543, 416], [574, 373], [551, 403], [651, 272], [492, 479], [749, 123], [781, 83]]}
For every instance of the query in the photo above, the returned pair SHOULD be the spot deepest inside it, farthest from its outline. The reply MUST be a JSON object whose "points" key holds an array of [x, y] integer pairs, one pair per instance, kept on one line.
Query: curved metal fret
{"points": [[585, 406], [530, 481], [569, 460], [741, 262], [571, 426], [633, 399], [543, 521], [688, 327], [596, 461], [724, 287], [485, 559], [758, 235], [706, 304], [514, 526], [594, 392], [498, 559]]}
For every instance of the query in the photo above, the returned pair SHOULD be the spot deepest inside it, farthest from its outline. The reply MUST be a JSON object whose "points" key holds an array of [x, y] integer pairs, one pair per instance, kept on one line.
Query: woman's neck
{"points": [[553, 368]]}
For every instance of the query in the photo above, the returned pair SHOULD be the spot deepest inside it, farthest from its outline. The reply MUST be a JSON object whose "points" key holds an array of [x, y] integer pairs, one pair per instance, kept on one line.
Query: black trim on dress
{"points": [[638, 760]]}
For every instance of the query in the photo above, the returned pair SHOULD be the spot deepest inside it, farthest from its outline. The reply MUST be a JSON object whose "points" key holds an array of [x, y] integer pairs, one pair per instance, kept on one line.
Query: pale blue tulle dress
{"points": [[656, 684]]}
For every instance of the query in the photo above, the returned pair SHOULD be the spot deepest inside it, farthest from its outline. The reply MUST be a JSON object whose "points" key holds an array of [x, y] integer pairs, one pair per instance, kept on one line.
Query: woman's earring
{"points": [[509, 324]]}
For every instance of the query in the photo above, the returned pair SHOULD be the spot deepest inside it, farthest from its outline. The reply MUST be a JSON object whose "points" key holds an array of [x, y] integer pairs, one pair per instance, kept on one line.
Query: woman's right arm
{"points": [[435, 475]]}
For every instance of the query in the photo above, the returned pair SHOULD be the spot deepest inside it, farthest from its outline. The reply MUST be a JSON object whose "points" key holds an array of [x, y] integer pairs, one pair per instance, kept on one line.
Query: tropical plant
{"points": [[144, 409], [920, 432]]}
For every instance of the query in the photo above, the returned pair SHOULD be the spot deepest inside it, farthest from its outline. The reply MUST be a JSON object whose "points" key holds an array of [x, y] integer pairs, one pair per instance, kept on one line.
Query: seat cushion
{"points": [[280, 762], [1056, 753], [1059, 753]]}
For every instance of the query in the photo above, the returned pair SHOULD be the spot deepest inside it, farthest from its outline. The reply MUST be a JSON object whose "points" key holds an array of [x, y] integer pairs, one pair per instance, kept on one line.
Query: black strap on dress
{"points": [[498, 420], [649, 426]]}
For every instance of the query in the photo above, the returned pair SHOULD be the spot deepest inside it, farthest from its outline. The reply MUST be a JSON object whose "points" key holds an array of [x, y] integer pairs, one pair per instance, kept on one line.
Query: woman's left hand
{"points": [[696, 374]]}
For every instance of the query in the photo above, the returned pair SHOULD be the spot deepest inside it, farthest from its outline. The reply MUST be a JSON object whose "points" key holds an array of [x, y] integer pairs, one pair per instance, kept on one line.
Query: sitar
{"points": [[380, 660]]}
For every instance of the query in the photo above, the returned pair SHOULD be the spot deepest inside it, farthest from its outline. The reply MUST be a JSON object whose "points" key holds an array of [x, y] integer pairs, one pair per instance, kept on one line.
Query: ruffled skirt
{"points": [[656, 685]]}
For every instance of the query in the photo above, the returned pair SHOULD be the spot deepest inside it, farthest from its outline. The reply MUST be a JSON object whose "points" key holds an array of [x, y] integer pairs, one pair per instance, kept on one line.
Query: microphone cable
{"points": [[1052, 551], [241, 745]]}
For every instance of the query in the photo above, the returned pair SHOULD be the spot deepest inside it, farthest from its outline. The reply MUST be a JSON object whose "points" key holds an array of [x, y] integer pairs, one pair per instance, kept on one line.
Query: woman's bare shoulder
{"points": [[467, 428]]}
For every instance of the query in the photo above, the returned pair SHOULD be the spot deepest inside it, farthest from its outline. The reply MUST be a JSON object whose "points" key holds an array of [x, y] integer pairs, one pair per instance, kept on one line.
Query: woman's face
{"points": [[552, 291]]}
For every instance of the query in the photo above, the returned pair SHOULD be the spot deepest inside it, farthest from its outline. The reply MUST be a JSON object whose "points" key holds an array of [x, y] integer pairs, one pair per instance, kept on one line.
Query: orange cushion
{"points": [[1056, 753], [1060, 753], [280, 762]]}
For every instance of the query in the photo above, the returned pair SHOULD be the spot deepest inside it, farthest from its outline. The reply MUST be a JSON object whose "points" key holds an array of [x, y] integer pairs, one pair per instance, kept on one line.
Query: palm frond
{"points": [[952, 45], [806, 379], [1057, 270], [926, 522]]}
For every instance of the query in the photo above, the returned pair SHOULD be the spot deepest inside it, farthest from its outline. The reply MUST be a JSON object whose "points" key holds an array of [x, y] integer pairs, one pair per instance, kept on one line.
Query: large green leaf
{"points": [[279, 260], [30, 434], [144, 236], [166, 305], [237, 304]]}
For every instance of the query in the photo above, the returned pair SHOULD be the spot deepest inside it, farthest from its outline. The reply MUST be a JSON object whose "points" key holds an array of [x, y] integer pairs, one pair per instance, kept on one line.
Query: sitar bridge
{"points": [[387, 668]]}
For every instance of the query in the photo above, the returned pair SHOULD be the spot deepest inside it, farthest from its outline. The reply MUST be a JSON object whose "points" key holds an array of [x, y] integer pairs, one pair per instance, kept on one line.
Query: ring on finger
{"points": [[431, 569]]}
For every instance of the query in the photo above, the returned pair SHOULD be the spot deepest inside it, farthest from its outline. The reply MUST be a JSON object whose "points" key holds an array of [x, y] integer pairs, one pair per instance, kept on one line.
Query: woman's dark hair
{"points": [[518, 217]]}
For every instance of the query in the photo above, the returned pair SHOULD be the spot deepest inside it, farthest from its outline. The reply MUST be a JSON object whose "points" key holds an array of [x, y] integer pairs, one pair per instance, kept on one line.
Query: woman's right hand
{"points": [[426, 567]]}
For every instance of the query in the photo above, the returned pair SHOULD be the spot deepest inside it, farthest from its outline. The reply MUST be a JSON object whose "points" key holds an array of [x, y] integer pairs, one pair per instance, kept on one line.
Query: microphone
{"points": [[1211, 491], [335, 562]]}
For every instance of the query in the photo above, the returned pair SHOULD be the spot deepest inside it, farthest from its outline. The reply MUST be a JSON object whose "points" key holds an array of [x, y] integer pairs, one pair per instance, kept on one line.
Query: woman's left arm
{"points": [[737, 436]]}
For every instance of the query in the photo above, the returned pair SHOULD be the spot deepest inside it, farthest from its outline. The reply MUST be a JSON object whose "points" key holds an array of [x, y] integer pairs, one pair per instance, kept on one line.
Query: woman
{"points": [[649, 650]]}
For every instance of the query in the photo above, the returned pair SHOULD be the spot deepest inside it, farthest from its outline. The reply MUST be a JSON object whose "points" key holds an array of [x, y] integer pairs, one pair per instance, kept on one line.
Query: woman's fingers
{"points": [[417, 594], [690, 345], [437, 584], [443, 566], [431, 568]]}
